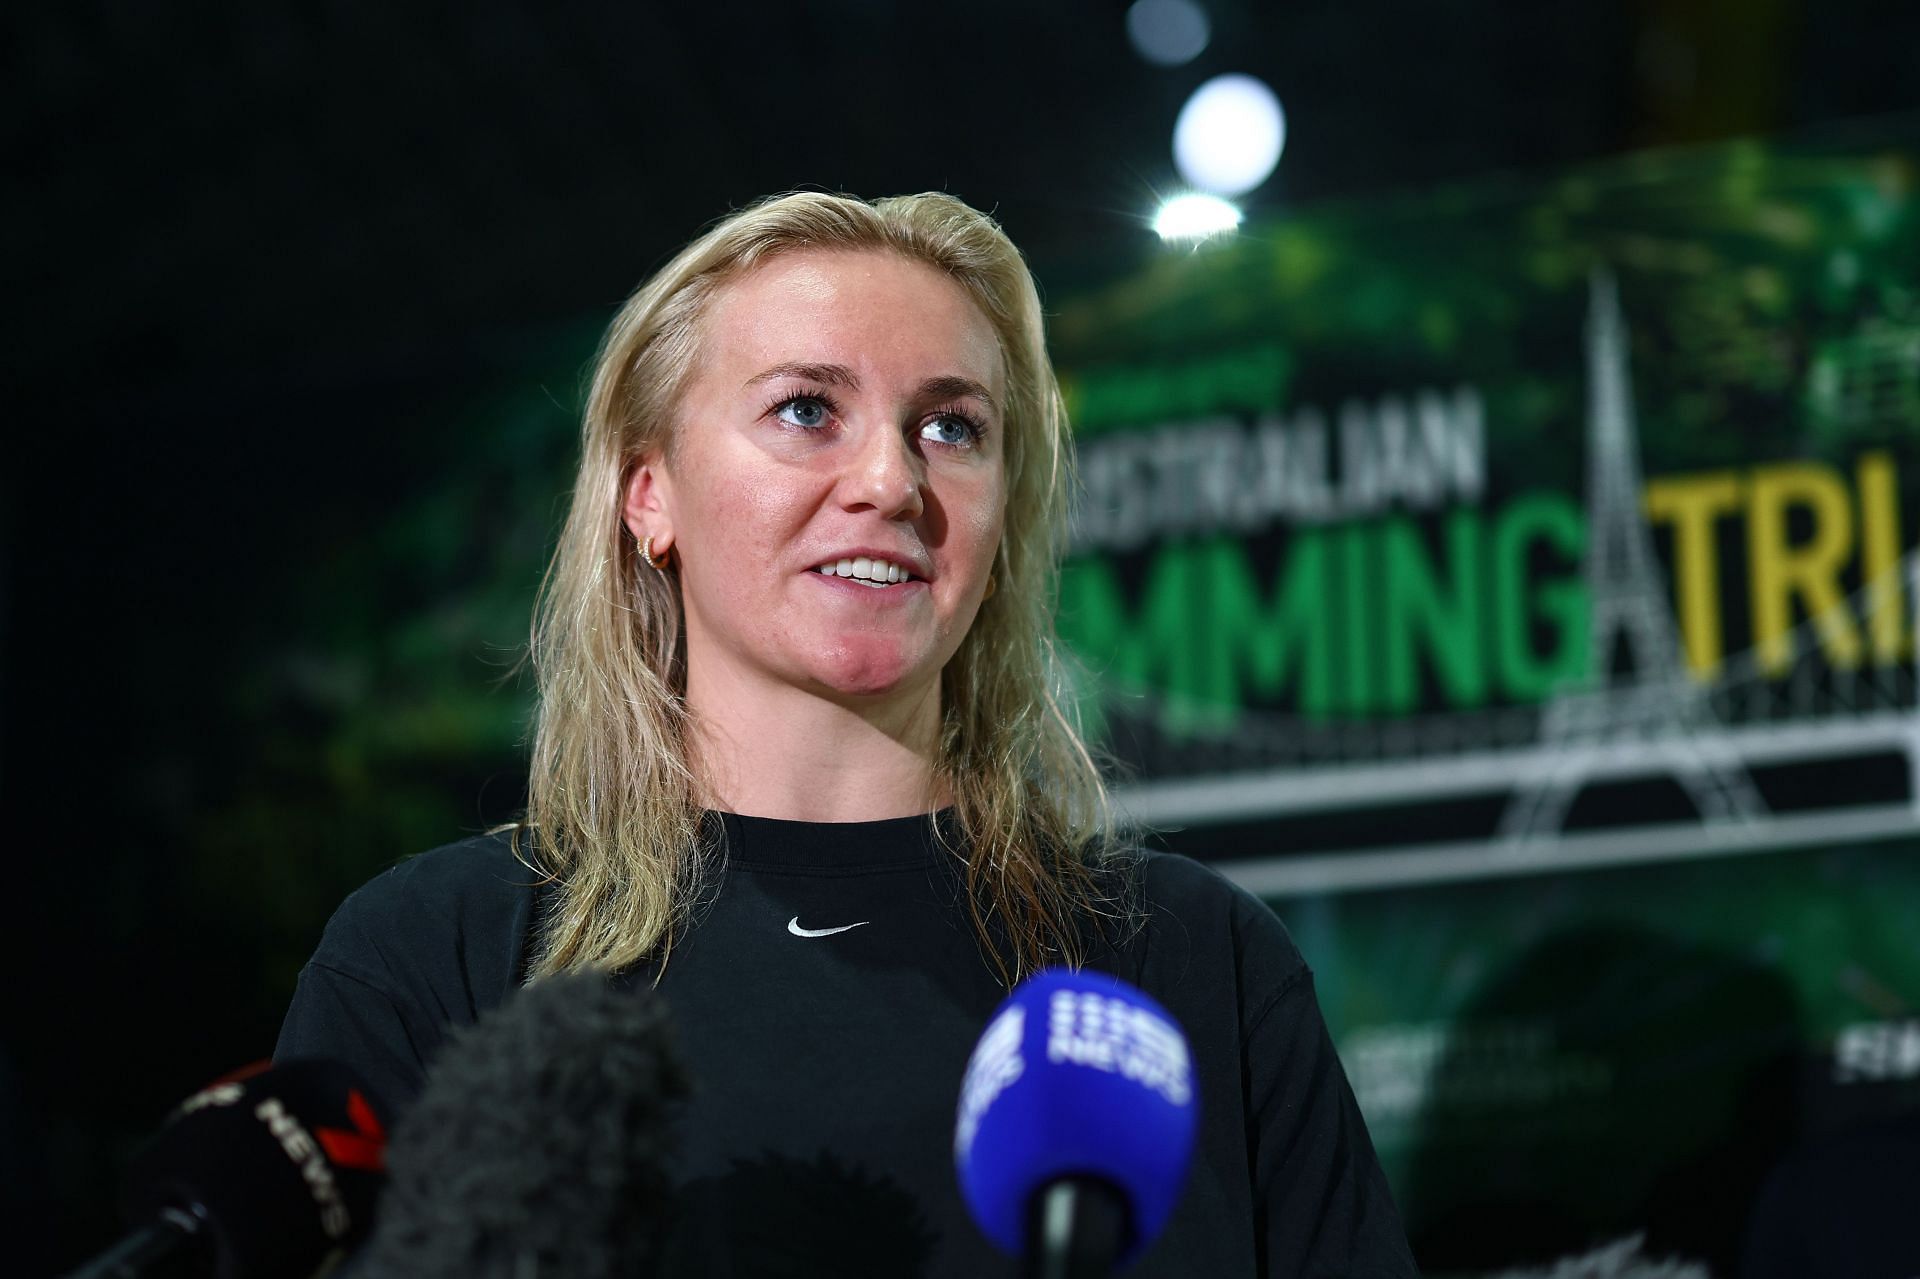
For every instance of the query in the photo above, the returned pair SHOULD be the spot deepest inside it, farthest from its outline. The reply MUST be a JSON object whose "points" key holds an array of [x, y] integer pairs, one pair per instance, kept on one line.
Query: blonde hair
{"points": [[613, 803]]}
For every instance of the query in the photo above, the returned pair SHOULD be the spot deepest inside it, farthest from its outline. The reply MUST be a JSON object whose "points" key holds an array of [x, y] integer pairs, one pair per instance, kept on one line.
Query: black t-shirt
{"points": [[826, 1001]]}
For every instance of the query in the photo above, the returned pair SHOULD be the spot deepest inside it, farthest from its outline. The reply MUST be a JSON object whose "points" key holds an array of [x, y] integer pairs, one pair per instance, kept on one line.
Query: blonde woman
{"points": [[800, 764]]}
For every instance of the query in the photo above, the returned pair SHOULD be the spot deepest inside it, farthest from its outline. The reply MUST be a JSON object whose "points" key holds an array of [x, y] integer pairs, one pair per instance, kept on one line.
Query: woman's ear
{"points": [[646, 506]]}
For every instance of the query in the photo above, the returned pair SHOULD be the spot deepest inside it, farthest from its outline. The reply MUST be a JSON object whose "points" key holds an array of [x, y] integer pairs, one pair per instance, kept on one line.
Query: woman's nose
{"points": [[885, 475]]}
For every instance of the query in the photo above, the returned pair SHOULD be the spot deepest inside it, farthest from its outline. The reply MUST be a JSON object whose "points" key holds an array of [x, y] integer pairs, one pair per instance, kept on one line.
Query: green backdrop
{"points": [[1510, 583]]}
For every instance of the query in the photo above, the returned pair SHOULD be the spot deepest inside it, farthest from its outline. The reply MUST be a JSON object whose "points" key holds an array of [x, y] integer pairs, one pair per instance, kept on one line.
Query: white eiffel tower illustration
{"points": [[1654, 710]]}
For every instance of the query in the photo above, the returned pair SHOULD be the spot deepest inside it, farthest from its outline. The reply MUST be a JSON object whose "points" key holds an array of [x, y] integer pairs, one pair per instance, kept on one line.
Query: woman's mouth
{"points": [[867, 571]]}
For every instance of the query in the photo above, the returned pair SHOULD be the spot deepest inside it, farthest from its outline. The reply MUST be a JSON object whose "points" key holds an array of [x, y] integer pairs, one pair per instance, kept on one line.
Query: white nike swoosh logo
{"points": [[793, 926]]}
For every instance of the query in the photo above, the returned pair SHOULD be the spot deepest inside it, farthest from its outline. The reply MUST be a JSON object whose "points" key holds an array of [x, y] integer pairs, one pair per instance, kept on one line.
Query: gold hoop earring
{"points": [[992, 586], [646, 553]]}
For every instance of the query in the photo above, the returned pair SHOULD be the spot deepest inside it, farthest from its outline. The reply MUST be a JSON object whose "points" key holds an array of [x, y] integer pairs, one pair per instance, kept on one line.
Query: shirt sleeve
{"points": [[1327, 1208], [417, 951], [1283, 1148], [349, 1020]]}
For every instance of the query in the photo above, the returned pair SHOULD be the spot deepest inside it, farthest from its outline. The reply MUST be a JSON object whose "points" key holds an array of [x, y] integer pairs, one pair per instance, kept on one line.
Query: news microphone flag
{"points": [[268, 1173], [1078, 1075]]}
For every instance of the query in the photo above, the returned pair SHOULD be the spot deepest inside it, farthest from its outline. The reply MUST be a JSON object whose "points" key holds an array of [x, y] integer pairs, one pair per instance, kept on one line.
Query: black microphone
{"points": [[540, 1144], [270, 1173]]}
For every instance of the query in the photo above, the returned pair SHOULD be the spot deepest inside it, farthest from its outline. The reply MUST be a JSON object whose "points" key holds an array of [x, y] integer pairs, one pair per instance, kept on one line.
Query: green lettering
{"points": [[1434, 611], [1270, 642], [1560, 601], [1202, 634], [1358, 584], [1100, 400]]}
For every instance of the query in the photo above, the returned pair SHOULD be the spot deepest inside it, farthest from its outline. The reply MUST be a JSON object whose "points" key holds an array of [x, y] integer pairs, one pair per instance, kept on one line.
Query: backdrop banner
{"points": [[1513, 584]]}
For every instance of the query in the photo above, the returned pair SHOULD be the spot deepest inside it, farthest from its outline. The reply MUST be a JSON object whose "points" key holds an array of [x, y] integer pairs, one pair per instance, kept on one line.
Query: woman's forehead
{"points": [[871, 311]]}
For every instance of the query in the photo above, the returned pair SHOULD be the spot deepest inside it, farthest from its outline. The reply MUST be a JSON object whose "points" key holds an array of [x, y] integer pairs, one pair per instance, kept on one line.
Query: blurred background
{"points": [[1494, 549]]}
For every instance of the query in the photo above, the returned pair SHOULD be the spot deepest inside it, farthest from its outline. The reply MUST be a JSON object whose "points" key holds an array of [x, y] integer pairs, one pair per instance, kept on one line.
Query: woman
{"points": [[799, 764]]}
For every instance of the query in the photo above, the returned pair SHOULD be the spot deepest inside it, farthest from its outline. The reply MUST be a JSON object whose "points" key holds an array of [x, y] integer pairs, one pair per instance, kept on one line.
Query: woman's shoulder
{"points": [[1185, 888], [479, 873], [434, 941], [1188, 919], [494, 862], [467, 904]]}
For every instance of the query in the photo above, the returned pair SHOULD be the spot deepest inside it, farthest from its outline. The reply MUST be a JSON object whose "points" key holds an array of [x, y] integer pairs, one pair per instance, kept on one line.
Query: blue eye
{"points": [[808, 411], [952, 430]]}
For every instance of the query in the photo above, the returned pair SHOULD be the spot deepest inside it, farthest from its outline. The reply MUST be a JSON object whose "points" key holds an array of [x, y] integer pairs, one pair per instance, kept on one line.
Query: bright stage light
{"points": [[1167, 33], [1195, 217], [1228, 137]]}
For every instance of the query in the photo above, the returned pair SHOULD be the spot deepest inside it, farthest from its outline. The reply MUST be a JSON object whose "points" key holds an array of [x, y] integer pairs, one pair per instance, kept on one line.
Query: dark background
{"points": [[299, 299]]}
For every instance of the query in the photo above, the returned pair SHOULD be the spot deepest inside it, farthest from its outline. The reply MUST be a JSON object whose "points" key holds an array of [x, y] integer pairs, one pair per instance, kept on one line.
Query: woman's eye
{"points": [[804, 411], [950, 429]]}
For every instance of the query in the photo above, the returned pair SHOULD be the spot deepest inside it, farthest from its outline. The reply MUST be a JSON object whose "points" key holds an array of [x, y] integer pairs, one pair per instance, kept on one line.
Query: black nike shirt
{"points": [[826, 1001]]}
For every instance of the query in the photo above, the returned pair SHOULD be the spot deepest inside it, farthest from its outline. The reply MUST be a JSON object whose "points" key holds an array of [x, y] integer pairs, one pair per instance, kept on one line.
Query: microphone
{"points": [[540, 1144], [1076, 1122], [270, 1173]]}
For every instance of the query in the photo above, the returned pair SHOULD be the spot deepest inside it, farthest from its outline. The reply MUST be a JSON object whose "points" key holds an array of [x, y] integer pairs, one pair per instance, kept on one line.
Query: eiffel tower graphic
{"points": [[1654, 712]]}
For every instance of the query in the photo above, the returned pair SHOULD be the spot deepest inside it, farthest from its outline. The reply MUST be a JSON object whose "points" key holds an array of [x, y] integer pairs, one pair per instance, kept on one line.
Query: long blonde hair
{"points": [[614, 806]]}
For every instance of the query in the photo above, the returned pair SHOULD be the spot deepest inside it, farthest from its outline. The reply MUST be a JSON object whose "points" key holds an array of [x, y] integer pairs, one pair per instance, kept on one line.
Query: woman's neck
{"points": [[780, 751]]}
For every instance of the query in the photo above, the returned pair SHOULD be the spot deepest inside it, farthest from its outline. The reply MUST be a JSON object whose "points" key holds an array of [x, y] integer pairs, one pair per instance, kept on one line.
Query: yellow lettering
{"points": [[1810, 570], [1693, 504], [1880, 555]]}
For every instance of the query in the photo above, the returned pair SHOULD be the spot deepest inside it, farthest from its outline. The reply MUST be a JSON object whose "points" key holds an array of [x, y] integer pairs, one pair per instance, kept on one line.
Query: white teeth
{"points": [[866, 570]]}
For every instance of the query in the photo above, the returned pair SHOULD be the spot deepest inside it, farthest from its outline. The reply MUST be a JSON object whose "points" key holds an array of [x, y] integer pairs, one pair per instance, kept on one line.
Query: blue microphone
{"points": [[1076, 1122]]}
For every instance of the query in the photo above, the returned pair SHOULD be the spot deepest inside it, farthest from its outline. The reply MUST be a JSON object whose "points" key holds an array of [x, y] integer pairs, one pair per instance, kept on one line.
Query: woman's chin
{"points": [[869, 675]]}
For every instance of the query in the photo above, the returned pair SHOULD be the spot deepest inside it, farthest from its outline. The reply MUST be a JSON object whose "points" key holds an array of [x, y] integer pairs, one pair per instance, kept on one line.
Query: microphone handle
{"points": [[170, 1247], [1077, 1228]]}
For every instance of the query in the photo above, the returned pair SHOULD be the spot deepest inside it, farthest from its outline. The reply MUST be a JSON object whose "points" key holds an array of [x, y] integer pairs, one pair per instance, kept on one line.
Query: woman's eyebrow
{"points": [[947, 387], [831, 374], [953, 387]]}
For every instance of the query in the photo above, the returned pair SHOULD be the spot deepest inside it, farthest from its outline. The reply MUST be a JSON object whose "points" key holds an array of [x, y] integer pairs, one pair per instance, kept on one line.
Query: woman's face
{"points": [[846, 415]]}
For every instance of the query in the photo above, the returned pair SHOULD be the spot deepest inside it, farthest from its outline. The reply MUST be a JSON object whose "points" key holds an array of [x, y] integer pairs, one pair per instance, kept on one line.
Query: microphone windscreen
{"points": [[281, 1165], [1077, 1075], [540, 1143]]}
